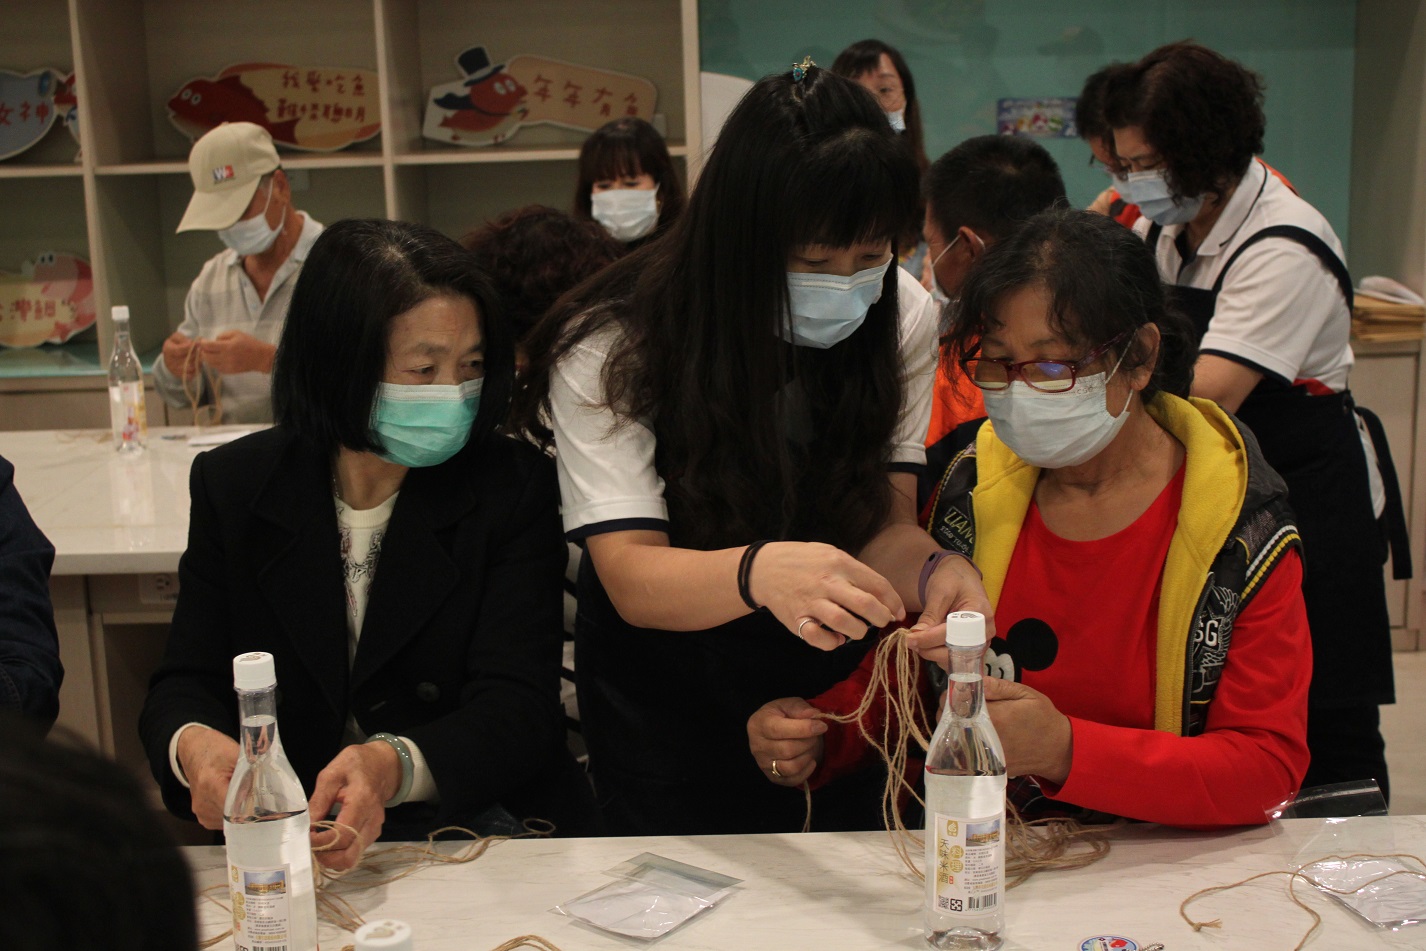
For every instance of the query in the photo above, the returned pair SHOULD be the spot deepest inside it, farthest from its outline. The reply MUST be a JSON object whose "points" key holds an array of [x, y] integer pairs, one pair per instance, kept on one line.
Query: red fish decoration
{"points": [[318, 110]]}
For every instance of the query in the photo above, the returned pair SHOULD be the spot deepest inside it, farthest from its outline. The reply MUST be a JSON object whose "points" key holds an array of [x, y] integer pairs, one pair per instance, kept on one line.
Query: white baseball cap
{"points": [[226, 165]]}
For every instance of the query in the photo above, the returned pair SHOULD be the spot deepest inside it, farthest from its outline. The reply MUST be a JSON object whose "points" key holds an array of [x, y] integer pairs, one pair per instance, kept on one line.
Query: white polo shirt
{"points": [[606, 471], [223, 297], [1281, 311]]}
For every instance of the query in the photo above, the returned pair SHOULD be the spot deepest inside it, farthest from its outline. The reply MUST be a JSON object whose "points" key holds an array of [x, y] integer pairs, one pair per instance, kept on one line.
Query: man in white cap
{"points": [[235, 310]]}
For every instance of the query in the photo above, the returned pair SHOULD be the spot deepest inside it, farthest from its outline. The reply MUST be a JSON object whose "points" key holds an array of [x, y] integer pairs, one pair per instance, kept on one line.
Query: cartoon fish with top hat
{"points": [[493, 103]]}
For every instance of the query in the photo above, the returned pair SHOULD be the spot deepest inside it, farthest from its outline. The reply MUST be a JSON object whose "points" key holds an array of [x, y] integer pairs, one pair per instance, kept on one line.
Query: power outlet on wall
{"points": [[160, 588]]}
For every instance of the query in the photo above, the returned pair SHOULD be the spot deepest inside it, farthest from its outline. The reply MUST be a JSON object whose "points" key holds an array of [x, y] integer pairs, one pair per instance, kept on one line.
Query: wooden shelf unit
{"points": [[120, 200]]}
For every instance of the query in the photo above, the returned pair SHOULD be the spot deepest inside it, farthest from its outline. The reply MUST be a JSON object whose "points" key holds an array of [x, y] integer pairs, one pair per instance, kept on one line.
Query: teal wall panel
{"points": [[966, 54]]}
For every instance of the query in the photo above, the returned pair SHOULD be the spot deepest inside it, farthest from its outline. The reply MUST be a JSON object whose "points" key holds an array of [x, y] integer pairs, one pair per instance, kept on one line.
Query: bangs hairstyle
{"points": [[360, 274], [699, 313], [1101, 281], [625, 148], [1201, 111]]}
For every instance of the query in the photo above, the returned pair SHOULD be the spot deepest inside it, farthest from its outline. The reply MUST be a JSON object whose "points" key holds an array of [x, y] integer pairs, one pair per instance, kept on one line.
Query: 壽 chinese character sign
{"points": [[493, 101], [316, 110], [27, 108], [49, 301]]}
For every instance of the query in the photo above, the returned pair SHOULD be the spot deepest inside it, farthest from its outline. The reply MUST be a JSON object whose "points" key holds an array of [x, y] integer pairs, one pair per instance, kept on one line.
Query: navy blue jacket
{"points": [[30, 671]]}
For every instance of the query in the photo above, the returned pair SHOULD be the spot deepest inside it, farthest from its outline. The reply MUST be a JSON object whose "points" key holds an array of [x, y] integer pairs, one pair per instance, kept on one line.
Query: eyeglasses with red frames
{"points": [[1047, 376]]}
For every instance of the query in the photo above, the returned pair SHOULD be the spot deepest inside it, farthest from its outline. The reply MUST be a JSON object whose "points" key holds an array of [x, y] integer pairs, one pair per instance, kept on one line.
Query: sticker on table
{"points": [[50, 300], [1051, 118], [312, 109], [1109, 942], [27, 108], [496, 100]]}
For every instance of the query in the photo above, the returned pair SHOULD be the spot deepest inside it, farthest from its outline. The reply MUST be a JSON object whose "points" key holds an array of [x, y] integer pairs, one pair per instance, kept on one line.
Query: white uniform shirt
{"points": [[223, 298], [606, 472], [1280, 312]]}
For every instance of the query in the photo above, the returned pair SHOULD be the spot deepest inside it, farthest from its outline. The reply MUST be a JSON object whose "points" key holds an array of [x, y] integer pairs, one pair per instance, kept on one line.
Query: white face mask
{"points": [[897, 120], [938, 294], [626, 213], [828, 308], [1056, 430], [1150, 191], [253, 236]]}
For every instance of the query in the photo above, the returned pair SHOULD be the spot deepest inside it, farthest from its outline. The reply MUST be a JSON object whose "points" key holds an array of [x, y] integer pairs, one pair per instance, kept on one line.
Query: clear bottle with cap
{"points": [[266, 824], [388, 934], [127, 414], [965, 805]]}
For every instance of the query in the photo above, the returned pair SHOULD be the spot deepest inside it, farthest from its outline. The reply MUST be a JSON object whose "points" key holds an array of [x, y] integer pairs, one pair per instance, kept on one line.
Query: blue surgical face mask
{"points": [[628, 214], [1150, 191], [828, 308], [425, 424], [253, 236]]}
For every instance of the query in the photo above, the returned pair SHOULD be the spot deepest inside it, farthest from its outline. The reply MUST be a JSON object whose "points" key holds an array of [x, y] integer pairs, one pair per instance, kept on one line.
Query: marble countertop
{"points": [[833, 891], [106, 514]]}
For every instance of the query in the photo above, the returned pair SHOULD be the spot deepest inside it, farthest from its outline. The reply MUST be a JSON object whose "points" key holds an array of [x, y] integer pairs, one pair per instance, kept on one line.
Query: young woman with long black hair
{"points": [[738, 410]]}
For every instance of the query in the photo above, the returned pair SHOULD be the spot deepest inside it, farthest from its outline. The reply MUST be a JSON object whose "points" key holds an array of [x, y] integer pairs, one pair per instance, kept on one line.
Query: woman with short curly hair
{"points": [[1261, 274]]}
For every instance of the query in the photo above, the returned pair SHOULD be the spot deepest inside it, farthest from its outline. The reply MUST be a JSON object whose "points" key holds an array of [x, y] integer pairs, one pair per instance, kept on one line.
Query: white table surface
{"points": [[106, 514], [832, 891]]}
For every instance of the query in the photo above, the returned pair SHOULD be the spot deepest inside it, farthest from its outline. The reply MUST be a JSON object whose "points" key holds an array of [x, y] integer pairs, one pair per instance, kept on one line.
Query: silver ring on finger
{"points": [[774, 770], [803, 623]]}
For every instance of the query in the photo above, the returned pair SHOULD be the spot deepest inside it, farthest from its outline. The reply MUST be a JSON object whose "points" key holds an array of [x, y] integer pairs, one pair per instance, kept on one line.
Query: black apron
{"points": [[664, 715], [1313, 443]]}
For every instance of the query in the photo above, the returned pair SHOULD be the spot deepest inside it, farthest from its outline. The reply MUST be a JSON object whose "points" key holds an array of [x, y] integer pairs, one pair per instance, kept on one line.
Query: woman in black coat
{"points": [[400, 559]]}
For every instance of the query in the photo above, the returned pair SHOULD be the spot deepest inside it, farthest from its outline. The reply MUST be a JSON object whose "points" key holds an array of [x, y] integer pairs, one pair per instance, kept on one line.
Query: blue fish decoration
{"points": [[27, 109]]}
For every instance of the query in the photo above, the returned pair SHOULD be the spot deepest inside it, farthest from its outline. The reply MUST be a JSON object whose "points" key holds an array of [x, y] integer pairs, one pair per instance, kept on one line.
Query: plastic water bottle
{"points": [[965, 805], [127, 414], [385, 935], [266, 824]]}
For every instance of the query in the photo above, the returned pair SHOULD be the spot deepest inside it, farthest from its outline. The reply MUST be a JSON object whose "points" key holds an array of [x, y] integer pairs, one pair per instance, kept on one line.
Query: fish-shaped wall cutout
{"points": [[50, 300], [316, 110], [494, 101]]}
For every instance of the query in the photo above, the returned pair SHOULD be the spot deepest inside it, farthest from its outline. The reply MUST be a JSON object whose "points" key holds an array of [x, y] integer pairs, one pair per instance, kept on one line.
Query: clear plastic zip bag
{"points": [[650, 897]]}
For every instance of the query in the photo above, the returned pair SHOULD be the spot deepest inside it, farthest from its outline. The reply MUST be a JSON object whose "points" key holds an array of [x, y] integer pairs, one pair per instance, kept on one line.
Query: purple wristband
{"points": [[932, 561]]}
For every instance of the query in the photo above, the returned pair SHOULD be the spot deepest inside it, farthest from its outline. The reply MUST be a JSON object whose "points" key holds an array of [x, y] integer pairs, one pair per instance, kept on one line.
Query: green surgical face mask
{"points": [[426, 424]]}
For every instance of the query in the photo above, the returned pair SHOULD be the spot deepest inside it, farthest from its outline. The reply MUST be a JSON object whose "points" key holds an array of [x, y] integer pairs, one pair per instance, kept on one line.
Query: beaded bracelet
{"points": [[408, 767], [932, 561], [745, 575]]}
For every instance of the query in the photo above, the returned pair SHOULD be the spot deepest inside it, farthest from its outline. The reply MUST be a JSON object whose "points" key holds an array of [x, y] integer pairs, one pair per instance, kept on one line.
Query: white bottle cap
{"points": [[254, 671], [965, 629], [385, 935], [120, 313]]}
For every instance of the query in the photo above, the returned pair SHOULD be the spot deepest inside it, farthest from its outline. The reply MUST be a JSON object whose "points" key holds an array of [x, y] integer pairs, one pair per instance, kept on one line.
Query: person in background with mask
{"points": [[738, 410], [976, 194], [232, 317], [881, 70], [398, 556], [1152, 655], [627, 182], [1260, 273]]}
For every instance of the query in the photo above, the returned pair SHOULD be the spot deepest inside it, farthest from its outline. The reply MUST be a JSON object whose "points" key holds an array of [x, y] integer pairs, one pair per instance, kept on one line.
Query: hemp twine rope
{"points": [[384, 866], [1030, 847], [1292, 878], [195, 374]]}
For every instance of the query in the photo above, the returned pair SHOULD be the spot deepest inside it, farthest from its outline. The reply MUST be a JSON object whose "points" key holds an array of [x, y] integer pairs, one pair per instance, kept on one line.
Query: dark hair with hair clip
{"points": [[992, 184], [360, 274], [1102, 282], [1199, 110], [626, 148], [699, 314], [536, 253]]}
